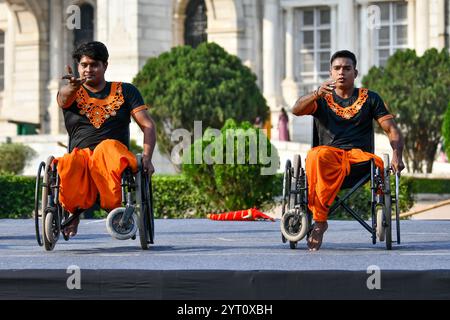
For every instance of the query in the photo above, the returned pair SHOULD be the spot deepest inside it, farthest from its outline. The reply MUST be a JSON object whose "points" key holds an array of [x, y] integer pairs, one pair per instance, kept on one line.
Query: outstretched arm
{"points": [[306, 104], [396, 139], [147, 126]]}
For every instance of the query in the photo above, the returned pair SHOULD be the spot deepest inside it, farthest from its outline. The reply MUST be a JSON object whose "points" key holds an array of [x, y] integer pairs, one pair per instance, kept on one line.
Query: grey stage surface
{"points": [[199, 253]]}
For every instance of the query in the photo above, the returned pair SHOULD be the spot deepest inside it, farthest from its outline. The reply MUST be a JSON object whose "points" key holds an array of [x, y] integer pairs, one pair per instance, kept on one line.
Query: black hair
{"points": [[344, 54], [94, 50]]}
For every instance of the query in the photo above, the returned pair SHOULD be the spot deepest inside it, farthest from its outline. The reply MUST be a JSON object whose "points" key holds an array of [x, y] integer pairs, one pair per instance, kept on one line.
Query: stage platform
{"points": [[203, 259]]}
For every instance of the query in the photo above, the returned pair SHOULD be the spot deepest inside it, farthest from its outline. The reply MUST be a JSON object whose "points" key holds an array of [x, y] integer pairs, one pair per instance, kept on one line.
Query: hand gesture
{"points": [[73, 81], [326, 88]]}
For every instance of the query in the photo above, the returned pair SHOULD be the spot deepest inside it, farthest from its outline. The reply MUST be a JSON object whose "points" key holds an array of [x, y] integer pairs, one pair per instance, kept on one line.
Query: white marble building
{"points": [[287, 43]]}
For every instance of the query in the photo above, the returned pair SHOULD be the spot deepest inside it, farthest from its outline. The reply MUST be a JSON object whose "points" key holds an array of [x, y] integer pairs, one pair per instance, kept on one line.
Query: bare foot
{"points": [[315, 240], [72, 228]]}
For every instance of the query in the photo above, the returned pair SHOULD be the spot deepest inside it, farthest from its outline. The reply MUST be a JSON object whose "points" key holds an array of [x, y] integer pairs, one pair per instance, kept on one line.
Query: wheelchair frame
{"points": [[296, 219], [51, 218]]}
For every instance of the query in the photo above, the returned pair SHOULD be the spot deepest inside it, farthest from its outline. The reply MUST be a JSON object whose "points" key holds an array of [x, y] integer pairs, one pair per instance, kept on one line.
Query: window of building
{"points": [[24, 129], [393, 32], [314, 48], [2, 60], [196, 23]]}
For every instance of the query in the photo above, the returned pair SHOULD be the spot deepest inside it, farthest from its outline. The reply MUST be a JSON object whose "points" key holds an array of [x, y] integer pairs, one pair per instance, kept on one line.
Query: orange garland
{"points": [[241, 215], [350, 111], [98, 110]]}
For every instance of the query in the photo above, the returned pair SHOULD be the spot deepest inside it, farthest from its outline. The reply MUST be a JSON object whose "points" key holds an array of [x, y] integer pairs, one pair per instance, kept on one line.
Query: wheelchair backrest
{"points": [[319, 133]]}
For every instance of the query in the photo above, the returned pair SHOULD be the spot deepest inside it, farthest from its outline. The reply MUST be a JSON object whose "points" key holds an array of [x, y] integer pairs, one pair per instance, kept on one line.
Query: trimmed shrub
{"points": [[174, 197], [423, 185], [16, 196], [231, 169], [14, 156]]}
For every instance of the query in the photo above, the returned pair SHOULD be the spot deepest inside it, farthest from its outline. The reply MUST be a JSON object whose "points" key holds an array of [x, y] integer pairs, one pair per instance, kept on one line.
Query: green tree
{"points": [[203, 84], [14, 156], [416, 90], [446, 131], [237, 169]]}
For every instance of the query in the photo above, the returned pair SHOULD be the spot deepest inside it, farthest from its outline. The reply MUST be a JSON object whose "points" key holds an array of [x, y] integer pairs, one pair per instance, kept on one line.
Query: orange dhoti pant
{"points": [[326, 168], [85, 173]]}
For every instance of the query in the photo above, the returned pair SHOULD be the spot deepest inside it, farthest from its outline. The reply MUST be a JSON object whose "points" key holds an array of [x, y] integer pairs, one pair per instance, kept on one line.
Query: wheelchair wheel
{"points": [[47, 205], [38, 211], [144, 200], [124, 232], [381, 229], [387, 202], [397, 202], [286, 200], [52, 226], [297, 166], [294, 225], [287, 187]]}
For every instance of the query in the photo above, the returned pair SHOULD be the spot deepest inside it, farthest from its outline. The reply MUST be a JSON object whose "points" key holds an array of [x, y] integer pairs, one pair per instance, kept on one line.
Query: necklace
{"points": [[98, 110], [350, 111]]}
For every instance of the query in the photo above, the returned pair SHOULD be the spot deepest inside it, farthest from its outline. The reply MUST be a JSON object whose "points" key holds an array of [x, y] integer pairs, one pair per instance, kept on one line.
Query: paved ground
{"points": [[217, 245], [426, 200], [441, 213]]}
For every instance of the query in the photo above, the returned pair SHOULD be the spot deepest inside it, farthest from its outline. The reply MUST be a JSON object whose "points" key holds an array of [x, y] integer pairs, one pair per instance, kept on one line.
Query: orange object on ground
{"points": [[241, 215], [85, 173], [326, 168]]}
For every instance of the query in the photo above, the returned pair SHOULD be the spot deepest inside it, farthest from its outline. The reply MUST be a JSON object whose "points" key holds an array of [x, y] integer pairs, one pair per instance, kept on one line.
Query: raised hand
{"points": [[73, 81], [326, 87]]}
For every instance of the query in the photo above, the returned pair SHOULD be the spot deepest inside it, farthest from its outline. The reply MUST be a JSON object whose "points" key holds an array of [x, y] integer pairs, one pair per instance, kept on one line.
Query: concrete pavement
{"points": [[204, 244], [203, 259]]}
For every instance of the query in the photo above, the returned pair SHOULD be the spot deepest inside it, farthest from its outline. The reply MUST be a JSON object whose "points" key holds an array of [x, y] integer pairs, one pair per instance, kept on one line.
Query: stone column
{"points": [[422, 26], [178, 29], [411, 23], [290, 44], [334, 27], [346, 22], [54, 120], [270, 43], [365, 49], [289, 85], [439, 14]]}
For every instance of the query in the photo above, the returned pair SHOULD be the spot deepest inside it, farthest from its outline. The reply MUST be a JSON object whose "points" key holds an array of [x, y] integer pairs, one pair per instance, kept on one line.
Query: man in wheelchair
{"points": [[346, 114], [97, 117]]}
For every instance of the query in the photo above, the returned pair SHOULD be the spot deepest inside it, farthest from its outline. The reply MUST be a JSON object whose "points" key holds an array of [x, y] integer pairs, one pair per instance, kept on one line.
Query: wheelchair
{"points": [[122, 223], [296, 218]]}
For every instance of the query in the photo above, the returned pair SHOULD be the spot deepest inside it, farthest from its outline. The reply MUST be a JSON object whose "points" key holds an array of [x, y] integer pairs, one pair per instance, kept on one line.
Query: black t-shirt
{"points": [[352, 133], [82, 130]]}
